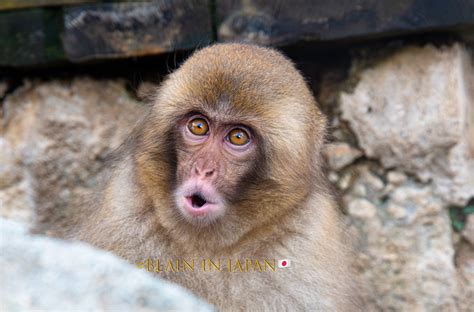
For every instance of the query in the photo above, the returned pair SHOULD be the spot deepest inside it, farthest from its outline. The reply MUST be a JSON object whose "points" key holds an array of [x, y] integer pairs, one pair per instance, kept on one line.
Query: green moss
{"points": [[469, 209], [458, 215]]}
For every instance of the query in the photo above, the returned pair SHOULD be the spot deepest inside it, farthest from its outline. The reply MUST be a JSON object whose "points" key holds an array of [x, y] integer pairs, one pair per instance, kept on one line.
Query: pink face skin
{"points": [[209, 164]]}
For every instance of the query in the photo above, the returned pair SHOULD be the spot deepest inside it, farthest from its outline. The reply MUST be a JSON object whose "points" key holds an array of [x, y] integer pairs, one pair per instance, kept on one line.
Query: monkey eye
{"points": [[238, 136], [198, 126]]}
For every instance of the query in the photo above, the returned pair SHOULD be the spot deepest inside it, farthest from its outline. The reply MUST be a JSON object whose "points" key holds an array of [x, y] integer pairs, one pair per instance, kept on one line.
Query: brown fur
{"points": [[285, 210]]}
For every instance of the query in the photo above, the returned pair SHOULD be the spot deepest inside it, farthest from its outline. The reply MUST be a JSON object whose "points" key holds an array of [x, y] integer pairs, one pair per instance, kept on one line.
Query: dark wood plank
{"points": [[280, 22], [23, 4], [30, 37], [136, 28]]}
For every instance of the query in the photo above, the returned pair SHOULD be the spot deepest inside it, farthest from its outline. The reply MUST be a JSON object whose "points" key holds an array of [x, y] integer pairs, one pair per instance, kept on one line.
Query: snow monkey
{"points": [[222, 178]]}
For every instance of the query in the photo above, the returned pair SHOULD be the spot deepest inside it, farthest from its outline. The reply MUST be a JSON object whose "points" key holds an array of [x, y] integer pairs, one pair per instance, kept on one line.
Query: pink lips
{"points": [[200, 200], [197, 205]]}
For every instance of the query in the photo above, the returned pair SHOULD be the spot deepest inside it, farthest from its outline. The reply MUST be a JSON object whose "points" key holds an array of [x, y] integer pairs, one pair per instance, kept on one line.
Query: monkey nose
{"points": [[205, 173], [203, 170]]}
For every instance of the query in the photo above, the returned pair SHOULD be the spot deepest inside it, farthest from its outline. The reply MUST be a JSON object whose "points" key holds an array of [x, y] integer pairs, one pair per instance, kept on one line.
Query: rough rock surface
{"points": [[41, 273], [54, 140], [16, 189], [340, 154], [415, 110], [412, 111], [465, 264], [468, 232], [406, 253]]}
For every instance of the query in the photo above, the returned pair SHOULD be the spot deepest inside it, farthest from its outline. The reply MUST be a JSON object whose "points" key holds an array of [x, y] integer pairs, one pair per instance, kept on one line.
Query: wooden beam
{"points": [[24, 4]]}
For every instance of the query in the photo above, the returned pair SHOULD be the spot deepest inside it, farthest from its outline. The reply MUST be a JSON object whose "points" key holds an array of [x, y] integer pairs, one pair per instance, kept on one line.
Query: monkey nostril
{"points": [[209, 173], [204, 172]]}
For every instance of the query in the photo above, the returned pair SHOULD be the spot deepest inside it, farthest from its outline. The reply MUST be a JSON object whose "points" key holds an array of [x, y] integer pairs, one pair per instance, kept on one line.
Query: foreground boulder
{"points": [[42, 273]]}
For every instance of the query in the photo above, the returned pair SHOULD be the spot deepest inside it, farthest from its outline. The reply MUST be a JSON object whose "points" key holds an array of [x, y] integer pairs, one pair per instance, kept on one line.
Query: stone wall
{"points": [[400, 154], [411, 112]]}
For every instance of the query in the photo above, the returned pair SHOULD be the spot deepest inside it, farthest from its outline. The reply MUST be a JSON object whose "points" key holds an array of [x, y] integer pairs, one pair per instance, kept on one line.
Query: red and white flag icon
{"points": [[284, 263]]}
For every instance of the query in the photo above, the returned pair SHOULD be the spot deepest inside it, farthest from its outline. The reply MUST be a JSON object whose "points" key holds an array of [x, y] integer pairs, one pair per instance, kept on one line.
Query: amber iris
{"points": [[198, 126], [238, 137]]}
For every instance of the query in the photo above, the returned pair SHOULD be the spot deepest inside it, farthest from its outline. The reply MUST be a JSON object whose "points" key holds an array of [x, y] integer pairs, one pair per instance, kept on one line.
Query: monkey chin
{"points": [[199, 203]]}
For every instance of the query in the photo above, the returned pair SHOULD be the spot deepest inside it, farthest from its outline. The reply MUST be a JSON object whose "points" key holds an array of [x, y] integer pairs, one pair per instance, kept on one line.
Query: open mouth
{"points": [[200, 204], [197, 200]]}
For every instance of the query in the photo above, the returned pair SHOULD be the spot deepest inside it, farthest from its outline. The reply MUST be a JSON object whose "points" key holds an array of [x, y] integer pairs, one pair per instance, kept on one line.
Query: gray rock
{"points": [[361, 208], [340, 154], [465, 264], [405, 248], [16, 189], [42, 273], [468, 231], [414, 110], [396, 177], [344, 182], [56, 136]]}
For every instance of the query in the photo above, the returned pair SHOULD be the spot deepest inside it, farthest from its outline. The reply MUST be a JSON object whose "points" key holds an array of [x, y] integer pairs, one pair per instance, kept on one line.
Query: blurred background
{"points": [[396, 79]]}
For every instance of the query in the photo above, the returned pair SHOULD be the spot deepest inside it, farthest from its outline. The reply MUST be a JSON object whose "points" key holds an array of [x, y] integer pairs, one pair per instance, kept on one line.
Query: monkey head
{"points": [[231, 143]]}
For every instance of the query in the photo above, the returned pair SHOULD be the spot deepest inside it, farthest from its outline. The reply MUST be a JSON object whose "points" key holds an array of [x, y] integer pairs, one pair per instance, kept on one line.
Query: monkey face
{"points": [[212, 160], [232, 142]]}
